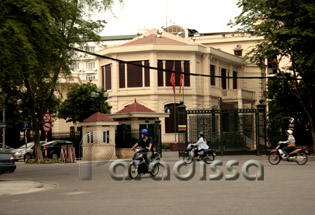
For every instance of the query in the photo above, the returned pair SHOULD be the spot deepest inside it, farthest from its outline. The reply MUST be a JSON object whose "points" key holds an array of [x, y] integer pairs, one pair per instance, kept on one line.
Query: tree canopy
{"points": [[80, 103], [287, 27], [286, 110], [36, 40]]}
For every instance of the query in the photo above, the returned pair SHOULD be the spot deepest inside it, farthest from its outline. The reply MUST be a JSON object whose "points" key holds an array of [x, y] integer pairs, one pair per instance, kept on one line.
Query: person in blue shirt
{"points": [[146, 144]]}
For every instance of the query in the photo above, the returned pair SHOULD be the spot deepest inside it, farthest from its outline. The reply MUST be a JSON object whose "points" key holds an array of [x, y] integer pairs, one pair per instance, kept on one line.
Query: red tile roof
{"points": [[98, 117], [153, 39], [135, 108]]}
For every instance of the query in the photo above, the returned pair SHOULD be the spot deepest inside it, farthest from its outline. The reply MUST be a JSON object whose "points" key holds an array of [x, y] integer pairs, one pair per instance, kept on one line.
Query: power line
{"points": [[185, 73]]}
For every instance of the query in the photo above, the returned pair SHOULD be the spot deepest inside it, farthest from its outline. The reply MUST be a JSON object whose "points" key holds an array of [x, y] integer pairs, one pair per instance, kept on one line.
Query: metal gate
{"points": [[229, 131]]}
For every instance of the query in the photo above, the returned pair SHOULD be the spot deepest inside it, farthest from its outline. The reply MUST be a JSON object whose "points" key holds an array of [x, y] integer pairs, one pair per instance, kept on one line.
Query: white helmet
{"points": [[290, 132]]}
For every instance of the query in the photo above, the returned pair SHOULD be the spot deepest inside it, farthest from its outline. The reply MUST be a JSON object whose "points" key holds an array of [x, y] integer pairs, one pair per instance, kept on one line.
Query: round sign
{"points": [[47, 126], [47, 117]]}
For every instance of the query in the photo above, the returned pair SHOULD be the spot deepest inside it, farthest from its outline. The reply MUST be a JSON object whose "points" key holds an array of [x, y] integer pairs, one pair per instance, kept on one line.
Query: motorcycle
{"points": [[191, 152], [139, 165], [298, 155]]}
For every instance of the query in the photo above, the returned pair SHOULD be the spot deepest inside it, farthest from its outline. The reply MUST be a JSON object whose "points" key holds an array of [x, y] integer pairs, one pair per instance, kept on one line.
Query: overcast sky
{"points": [[203, 15]]}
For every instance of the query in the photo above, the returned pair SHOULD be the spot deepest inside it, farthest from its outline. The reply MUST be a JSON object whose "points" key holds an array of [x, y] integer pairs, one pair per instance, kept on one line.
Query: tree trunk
{"points": [[37, 146]]}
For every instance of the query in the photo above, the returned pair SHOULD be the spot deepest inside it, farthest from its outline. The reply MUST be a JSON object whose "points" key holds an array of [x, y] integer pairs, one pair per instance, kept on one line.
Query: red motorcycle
{"points": [[298, 155]]}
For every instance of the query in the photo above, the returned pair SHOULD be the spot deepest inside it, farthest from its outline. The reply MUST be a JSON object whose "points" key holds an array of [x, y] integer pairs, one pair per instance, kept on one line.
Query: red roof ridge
{"points": [[98, 117], [135, 107]]}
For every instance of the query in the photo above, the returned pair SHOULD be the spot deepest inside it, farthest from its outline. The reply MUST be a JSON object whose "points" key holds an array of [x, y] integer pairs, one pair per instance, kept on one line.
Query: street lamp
{"points": [[97, 95]]}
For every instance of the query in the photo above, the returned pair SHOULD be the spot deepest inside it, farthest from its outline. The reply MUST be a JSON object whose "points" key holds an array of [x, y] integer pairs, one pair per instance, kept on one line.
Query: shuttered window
{"points": [[134, 75], [103, 76], [234, 80], [122, 75], [108, 75], [186, 77], [147, 74], [178, 67], [223, 79], [160, 74], [168, 66], [212, 73]]}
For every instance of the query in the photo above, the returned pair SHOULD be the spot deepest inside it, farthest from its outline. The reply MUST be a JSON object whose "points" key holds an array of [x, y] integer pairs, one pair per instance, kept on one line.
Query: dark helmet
{"points": [[144, 131], [201, 134]]}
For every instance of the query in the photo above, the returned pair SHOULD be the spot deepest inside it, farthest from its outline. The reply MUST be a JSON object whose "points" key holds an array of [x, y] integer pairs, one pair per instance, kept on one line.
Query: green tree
{"points": [[288, 29], [36, 40], [80, 104], [16, 112], [284, 106]]}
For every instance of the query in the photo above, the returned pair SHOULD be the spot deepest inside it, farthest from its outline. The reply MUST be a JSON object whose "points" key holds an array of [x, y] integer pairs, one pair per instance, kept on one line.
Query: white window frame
{"points": [[106, 139], [89, 137]]}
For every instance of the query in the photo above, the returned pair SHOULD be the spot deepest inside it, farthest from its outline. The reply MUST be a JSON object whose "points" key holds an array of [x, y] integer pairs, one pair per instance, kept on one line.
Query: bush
{"points": [[166, 146], [49, 161]]}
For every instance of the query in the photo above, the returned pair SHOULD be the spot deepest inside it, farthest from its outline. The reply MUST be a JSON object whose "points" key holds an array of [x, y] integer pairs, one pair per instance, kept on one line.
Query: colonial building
{"points": [[152, 87], [173, 48]]}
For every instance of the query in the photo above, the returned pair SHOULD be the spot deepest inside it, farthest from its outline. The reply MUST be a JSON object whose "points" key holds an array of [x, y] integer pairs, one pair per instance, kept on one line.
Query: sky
{"points": [[205, 16]]}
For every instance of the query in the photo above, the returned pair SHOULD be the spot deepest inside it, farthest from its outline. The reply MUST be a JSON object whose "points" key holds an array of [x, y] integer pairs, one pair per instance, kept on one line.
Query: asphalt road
{"points": [[286, 189]]}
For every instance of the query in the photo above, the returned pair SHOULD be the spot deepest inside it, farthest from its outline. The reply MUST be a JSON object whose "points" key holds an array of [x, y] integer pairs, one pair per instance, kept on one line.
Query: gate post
{"points": [[157, 136], [221, 126], [182, 128], [261, 128]]}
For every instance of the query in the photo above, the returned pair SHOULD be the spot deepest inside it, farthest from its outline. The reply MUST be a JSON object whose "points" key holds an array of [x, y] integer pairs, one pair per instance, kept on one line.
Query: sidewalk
{"points": [[8, 187]]}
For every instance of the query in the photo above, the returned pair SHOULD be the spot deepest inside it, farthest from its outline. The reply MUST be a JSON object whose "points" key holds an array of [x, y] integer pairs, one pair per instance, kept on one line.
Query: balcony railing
{"points": [[238, 94]]}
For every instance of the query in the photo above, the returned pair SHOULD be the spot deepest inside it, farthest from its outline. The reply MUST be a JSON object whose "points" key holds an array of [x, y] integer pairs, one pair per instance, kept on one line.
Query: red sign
{"points": [[47, 117], [47, 126]]}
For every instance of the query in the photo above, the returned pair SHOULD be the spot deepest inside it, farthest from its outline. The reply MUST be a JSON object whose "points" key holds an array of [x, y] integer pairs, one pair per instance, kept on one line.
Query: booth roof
{"points": [[135, 108], [98, 117]]}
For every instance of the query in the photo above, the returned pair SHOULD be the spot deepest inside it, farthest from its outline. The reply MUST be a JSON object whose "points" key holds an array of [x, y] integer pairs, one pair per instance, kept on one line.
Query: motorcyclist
{"points": [[146, 144], [201, 144], [291, 143]]}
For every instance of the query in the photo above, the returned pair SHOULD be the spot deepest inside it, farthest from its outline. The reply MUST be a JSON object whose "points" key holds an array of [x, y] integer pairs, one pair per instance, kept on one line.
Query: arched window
{"points": [[176, 30]]}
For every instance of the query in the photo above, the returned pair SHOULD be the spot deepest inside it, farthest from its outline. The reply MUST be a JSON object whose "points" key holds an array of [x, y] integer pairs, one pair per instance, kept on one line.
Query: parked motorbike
{"points": [[138, 164], [207, 155], [298, 155]]}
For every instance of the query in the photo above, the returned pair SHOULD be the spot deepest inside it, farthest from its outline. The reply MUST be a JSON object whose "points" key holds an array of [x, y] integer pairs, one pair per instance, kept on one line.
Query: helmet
{"points": [[144, 131], [201, 134], [290, 132]]}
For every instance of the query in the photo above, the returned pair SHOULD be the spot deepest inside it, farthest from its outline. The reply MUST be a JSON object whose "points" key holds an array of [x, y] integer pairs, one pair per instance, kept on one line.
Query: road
{"points": [[286, 189]]}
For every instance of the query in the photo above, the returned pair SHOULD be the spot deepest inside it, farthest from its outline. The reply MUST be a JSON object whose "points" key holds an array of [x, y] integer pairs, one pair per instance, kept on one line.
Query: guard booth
{"points": [[98, 142], [229, 131], [132, 119]]}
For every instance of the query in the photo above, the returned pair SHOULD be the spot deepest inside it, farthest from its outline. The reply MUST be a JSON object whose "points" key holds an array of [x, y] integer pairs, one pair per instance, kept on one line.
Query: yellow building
{"points": [[181, 49], [190, 54]]}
